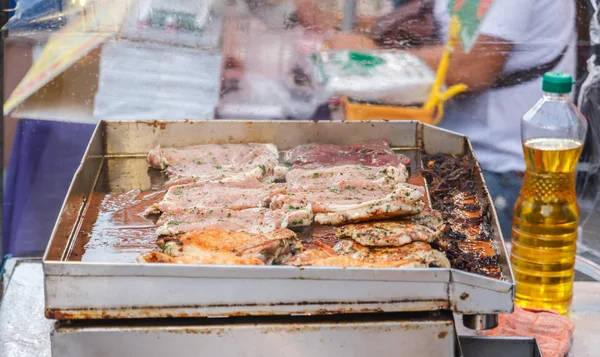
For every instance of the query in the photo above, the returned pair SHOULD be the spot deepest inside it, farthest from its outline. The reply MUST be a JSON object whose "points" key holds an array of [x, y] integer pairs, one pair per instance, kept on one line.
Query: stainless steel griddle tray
{"points": [[79, 290]]}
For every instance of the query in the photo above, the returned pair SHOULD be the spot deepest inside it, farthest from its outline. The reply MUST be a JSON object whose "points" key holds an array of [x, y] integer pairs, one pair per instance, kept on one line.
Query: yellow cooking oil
{"points": [[546, 217]]}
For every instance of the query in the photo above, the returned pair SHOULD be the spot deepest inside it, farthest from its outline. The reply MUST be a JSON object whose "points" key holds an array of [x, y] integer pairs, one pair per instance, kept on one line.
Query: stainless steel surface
{"points": [[499, 347], [24, 332], [289, 337], [480, 322], [91, 290]]}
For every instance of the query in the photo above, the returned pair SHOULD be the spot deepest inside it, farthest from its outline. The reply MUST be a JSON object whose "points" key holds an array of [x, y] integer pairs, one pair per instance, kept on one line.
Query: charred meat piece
{"points": [[405, 200], [217, 162], [466, 238], [477, 257], [375, 154], [387, 233], [346, 175], [467, 216], [269, 248], [454, 194], [233, 195], [204, 258], [480, 249], [416, 254]]}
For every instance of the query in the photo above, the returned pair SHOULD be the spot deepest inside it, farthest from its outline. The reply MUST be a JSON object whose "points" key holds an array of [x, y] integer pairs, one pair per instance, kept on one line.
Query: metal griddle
{"points": [[113, 289]]}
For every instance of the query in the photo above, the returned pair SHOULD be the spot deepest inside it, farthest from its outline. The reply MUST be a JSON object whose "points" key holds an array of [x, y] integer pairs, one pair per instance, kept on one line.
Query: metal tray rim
{"points": [[275, 272]]}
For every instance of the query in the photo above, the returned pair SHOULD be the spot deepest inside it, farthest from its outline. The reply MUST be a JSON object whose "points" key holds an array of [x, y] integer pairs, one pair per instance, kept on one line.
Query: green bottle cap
{"points": [[557, 82]]}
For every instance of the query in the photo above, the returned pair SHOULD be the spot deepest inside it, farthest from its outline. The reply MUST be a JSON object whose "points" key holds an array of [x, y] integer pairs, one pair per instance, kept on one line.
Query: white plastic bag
{"points": [[396, 78], [149, 81], [262, 97]]}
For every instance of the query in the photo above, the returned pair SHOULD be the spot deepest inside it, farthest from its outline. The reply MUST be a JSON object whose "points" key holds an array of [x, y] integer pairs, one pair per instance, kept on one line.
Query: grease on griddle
{"points": [[120, 230], [467, 237]]}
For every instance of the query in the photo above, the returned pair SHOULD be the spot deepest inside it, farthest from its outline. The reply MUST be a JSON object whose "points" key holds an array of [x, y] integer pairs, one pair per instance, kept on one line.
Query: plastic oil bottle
{"points": [[546, 216]]}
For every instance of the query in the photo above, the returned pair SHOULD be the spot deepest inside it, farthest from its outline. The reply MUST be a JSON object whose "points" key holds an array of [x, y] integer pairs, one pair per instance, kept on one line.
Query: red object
{"points": [[484, 5], [458, 5], [552, 331]]}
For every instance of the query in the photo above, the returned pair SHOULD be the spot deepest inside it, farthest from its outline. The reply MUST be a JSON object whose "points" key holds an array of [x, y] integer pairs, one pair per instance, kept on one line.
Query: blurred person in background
{"points": [[519, 41]]}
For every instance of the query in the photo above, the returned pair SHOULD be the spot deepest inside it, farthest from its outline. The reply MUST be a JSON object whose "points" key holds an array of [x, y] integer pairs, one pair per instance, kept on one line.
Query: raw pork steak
{"points": [[217, 162], [376, 154]]}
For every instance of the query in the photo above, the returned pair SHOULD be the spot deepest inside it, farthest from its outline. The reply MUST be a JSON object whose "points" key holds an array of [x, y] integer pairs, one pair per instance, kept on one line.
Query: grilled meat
{"points": [[387, 233], [234, 195], [346, 175], [418, 180], [467, 216], [328, 199], [429, 218], [349, 262], [375, 154], [217, 162], [254, 220], [417, 254], [258, 220], [301, 216], [351, 193], [327, 189], [269, 248], [204, 258], [477, 257], [405, 200], [308, 257], [466, 238], [229, 213], [347, 253], [322, 236]]}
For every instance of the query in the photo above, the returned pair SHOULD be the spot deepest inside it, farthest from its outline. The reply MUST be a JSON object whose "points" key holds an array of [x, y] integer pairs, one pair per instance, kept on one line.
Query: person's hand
{"points": [[348, 41]]}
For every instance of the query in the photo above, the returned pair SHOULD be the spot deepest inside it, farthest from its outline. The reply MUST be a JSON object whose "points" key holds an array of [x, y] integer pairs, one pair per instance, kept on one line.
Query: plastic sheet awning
{"points": [[85, 32]]}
